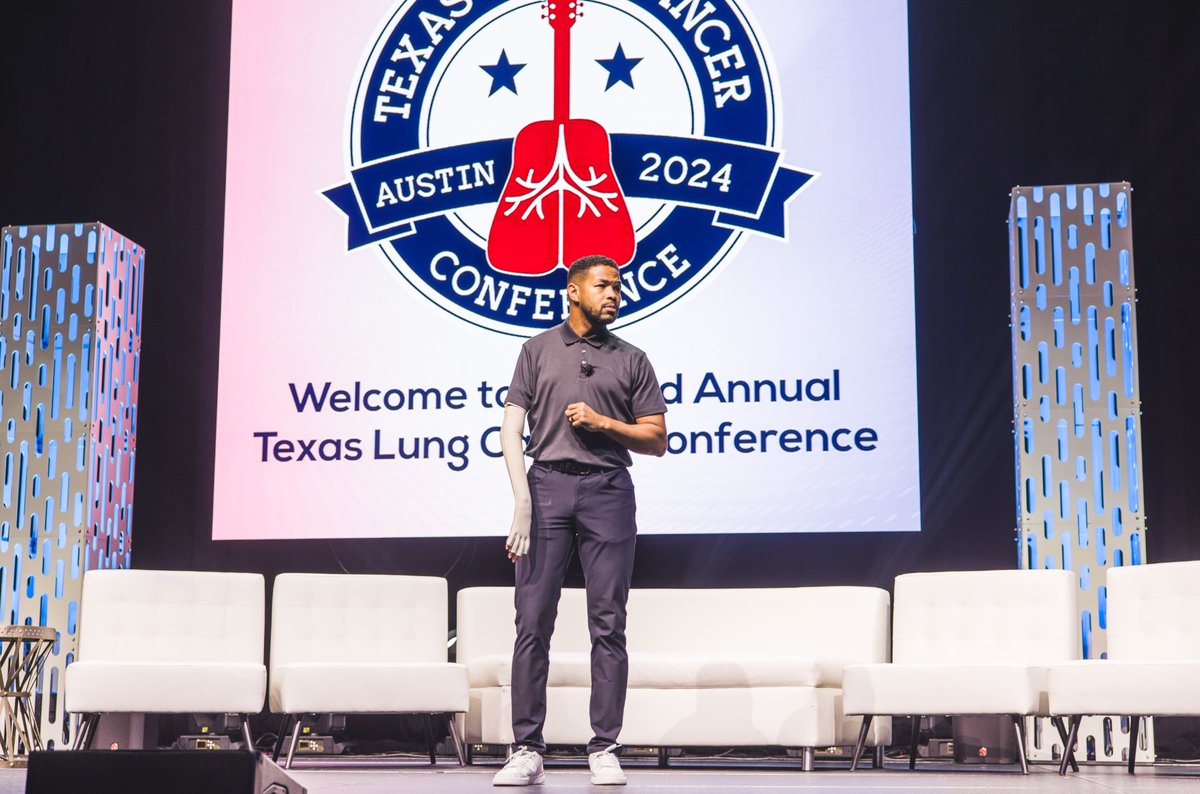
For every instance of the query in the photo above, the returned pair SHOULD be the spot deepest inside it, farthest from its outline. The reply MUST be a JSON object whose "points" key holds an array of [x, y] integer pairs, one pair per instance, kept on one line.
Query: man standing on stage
{"points": [[590, 399]]}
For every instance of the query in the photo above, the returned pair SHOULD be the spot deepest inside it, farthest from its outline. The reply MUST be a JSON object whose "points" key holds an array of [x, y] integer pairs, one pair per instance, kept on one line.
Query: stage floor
{"points": [[933, 777]]}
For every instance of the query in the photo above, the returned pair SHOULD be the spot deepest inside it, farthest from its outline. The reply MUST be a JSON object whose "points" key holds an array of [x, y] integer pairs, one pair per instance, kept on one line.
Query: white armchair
{"points": [[976, 642], [357, 644], [1153, 659], [168, 642]]}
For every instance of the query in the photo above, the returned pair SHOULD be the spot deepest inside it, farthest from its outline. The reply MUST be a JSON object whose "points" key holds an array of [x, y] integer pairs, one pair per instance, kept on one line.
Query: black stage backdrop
{"points": [[116, 111]]}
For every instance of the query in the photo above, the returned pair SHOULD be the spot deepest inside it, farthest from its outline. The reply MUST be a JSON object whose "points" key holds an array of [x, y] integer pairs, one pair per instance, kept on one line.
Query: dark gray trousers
{"points": [[597, 512]]}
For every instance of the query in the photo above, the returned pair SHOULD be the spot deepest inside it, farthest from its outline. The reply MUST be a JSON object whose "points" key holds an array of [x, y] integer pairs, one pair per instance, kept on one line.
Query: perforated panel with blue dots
{"points": [[70, 340], [1076, 404]]}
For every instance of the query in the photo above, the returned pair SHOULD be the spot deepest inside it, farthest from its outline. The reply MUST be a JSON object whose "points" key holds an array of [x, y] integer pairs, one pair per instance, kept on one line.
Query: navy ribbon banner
{"points": [[745, 185]]}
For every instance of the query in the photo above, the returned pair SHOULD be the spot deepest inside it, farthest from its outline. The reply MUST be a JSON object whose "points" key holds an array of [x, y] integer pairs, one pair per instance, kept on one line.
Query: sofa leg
{"points": [[80, 726], [285, 725], [92, 726], [90, 736], [1069, 745], [245, 718], [429, 740], [912, 742], [808, 756], [877, 757], [1068, 751], [664, 760], [1134, 723], [295, 741], [862, 740], [1019, 726], [85, 729], [457, 739]]}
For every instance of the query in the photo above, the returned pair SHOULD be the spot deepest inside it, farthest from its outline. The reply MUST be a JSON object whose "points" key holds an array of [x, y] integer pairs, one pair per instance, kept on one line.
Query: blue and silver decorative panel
{"points": [[1076, 404], [70, 340]]}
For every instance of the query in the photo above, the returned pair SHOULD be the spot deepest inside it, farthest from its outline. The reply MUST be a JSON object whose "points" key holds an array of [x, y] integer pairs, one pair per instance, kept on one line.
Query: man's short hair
{"points": [[585, 263]]}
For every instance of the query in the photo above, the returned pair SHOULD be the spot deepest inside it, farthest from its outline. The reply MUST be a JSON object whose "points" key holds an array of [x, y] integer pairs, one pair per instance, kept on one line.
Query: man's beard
{"points": [[595, 317]]}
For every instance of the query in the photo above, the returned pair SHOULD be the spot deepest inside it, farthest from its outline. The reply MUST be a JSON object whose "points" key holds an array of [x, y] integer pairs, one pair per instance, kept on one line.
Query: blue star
{"points": [[620, 68], [503, 74]]}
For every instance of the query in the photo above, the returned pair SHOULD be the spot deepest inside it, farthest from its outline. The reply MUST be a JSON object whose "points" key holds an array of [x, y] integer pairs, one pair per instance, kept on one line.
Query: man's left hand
{"points": [[582, 417]]}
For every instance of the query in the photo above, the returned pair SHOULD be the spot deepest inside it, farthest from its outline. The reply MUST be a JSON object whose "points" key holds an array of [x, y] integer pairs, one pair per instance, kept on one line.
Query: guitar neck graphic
{"points": [[562, 65], [568, 161]]}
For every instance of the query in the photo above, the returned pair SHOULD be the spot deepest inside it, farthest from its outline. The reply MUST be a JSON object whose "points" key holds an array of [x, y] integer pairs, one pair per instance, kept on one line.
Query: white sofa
{"points": [[1153, 660], [971, 642], [168, 642], [361, 644], [717, 667]]}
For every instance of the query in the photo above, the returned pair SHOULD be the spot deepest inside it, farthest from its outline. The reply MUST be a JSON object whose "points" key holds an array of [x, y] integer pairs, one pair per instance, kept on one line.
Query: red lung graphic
{"points": [[562, 200]]}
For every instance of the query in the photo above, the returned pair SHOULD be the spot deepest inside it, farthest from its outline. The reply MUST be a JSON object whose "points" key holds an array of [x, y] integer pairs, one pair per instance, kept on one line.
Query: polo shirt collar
{"points": [[569, 336]]}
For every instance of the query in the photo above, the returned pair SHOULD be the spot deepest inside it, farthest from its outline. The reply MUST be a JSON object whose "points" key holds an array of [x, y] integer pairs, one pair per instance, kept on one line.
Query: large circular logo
{"points": [[494, 141]]}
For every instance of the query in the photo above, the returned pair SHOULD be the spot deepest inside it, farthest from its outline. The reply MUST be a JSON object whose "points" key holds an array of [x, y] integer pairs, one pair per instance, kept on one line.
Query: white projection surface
{"points": [[762, 150]]}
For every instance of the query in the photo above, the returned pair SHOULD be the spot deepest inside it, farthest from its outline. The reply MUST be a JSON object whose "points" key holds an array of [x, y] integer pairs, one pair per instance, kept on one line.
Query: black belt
{"points": [[571, 467]]}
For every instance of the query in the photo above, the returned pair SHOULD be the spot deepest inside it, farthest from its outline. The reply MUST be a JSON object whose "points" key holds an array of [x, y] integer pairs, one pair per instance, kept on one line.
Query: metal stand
{"points": [[23, 652]]}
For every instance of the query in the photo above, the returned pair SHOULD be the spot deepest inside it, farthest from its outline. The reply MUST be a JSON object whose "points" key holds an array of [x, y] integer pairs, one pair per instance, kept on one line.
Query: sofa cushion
{"points": [[673, 671], [1007, 617], [1104, 686], [944, 689], [369, 687], [845, 623], [1151, 611], [484, 671], [165, 687]]}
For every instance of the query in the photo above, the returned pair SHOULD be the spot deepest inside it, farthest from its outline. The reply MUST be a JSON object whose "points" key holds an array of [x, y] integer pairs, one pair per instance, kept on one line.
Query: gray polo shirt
{"points": [[617, 381]]}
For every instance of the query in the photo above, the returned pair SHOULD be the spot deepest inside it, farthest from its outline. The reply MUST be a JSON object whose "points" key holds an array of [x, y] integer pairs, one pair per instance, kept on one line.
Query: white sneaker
{"points": [[524, 768], [606, 769]]}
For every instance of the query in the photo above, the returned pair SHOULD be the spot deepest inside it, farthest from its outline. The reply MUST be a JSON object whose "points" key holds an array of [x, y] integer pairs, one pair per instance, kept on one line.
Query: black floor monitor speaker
{"points": [[151, 771], [984, 739]]}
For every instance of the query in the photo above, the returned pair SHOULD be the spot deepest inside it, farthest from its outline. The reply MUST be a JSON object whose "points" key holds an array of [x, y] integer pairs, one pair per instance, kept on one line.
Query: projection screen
{"points": [[372, 313]]}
